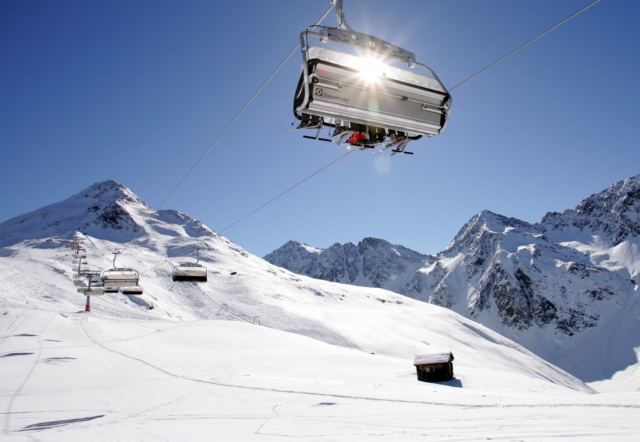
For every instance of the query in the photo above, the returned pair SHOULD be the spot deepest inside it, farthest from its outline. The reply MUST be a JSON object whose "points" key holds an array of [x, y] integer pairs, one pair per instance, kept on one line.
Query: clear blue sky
{"points": [[136, 91]]}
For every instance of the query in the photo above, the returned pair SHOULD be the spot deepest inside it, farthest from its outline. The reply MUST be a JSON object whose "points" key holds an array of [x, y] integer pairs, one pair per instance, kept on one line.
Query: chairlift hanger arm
{"points": [[358, 40], [115, 255], [342, 23], [344, 34]]}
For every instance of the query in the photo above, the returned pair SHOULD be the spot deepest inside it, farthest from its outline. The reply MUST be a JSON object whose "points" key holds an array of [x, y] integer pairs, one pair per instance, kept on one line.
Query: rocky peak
{"points": [[106, 210], [295, 256], [110, 191], [613, 213], [485, 225]]}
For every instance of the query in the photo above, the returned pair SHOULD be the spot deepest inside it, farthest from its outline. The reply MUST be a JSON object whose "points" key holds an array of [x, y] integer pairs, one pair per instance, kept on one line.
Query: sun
{"points": [[371, 69]]}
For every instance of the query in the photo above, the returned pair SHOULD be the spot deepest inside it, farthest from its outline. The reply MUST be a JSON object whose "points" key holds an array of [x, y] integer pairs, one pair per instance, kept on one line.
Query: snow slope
{"points": [[625, 380], [260, 354], [352, 317], [75, 376]]}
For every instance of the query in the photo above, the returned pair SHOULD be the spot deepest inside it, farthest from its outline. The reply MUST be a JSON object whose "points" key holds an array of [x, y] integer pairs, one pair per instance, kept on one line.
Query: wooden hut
{"points": [[434, 367]]}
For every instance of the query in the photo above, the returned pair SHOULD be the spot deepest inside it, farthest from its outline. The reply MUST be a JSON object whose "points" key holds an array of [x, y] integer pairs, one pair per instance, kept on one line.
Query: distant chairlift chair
{"points": [[123, 280], [190, 272]]}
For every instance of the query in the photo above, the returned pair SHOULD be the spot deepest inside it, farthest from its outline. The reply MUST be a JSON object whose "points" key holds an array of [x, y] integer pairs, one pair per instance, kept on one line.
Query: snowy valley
{"points": [[262, 353]]}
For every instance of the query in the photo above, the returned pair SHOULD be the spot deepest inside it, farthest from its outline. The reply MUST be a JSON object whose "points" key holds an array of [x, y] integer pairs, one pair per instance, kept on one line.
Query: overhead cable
{"points": [[526, 44], [287, 191]]}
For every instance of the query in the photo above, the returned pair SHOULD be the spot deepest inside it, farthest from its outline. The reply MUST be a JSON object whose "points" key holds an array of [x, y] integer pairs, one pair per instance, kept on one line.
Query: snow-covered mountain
{"points": [[565, 287], [372, 263], [36, 267], [558, 287], [105, 211], [613, 215], [257, 352]]}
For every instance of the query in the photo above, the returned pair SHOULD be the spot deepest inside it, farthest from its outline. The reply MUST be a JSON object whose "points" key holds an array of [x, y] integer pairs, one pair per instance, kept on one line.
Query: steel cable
{"points": [[526, 44]]}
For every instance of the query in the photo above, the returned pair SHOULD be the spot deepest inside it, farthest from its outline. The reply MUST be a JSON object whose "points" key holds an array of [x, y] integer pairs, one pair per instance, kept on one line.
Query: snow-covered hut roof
{"points": [[433, 358]]}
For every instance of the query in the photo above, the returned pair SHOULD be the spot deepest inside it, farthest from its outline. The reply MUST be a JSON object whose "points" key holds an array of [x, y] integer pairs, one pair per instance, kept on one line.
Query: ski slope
{"points": [[328, 362]]}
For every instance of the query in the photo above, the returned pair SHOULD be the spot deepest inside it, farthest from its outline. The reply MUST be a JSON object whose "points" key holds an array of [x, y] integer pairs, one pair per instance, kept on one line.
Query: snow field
{"points": [[78, 376]]}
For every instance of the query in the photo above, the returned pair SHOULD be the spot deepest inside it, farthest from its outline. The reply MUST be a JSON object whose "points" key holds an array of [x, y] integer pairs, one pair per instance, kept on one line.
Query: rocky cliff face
{"points": [[372, 263], [506, 271]]}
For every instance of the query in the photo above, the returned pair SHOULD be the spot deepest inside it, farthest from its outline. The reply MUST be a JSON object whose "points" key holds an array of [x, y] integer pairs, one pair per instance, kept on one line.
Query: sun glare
{"points": [[370, 69]]}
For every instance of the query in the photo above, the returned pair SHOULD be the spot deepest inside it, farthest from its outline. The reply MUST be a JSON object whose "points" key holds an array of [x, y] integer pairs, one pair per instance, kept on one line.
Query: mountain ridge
{"points": [[553, 298], [372, 262]]}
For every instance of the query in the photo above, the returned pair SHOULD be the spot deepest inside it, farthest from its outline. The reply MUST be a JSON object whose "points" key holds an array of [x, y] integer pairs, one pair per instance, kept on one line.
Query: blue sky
{"points": [[136, 91]]}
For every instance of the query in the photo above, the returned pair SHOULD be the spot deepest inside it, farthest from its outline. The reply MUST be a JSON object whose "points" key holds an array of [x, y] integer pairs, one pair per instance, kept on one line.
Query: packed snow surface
{"points": [[256, 353]]}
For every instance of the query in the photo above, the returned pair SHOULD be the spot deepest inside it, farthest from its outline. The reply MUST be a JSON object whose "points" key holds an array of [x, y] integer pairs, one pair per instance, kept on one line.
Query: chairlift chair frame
{"points": [[91, 291], [332, 92]]}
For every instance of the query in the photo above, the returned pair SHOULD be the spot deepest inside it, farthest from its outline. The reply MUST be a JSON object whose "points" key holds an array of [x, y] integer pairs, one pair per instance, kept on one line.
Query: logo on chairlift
{"points": [[321, 93]]}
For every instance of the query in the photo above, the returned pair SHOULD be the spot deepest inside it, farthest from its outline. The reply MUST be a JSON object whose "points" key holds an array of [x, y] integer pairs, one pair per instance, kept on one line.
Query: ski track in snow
{"points": [[311, 393], [7, 421]]}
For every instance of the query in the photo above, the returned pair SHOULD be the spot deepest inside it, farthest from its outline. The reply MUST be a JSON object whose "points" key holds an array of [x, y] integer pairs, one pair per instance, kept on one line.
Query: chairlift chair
{"points": [[114, 279], [132, 290], [365, 99], [190, 272], [123, 280]]}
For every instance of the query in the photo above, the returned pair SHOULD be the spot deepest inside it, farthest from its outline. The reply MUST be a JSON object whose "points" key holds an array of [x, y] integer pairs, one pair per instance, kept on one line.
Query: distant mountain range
{"points": [[565, 283], [372, 263]]}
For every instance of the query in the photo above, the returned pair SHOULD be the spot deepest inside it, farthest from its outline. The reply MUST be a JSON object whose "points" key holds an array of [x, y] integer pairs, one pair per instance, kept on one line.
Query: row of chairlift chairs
{"points": [[126, 280], [114, 280], [362, 97]]}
